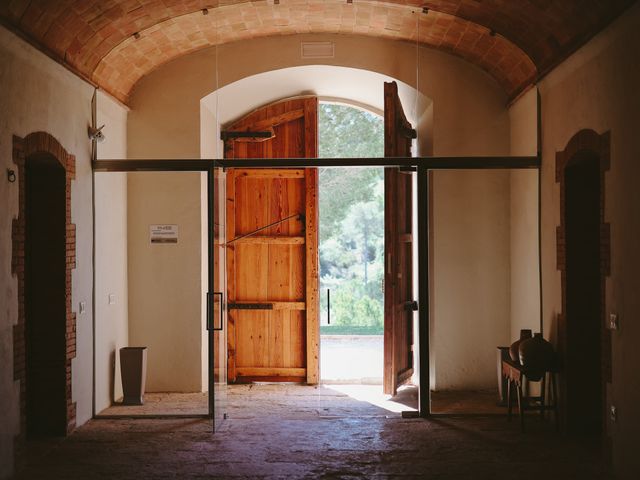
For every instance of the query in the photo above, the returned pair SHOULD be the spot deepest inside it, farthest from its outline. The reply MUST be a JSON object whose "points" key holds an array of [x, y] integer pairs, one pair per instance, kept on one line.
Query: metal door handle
{"points": [[209, 312]]}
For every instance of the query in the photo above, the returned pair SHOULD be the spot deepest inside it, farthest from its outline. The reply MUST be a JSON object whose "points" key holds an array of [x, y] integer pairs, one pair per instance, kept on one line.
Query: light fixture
{"points": [[96, 134]]}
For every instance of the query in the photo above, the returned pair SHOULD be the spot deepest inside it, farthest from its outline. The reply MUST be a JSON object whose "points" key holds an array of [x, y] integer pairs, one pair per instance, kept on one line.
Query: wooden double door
{"points": [[272, 247]]}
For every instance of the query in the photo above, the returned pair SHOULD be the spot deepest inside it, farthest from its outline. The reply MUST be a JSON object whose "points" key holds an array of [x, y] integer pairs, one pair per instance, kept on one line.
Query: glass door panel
{"points": [[217, 322]]}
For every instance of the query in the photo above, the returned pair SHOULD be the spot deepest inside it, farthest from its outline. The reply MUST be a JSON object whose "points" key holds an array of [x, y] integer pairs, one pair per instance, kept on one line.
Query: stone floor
{"points": [[288, 432], [453, 402], [163, 404]]}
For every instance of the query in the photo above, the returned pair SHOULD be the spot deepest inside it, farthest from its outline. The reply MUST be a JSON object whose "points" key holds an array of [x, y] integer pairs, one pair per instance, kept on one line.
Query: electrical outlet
{"points": [[83, 307], [614, 413], [112, 299], [614, 323]]}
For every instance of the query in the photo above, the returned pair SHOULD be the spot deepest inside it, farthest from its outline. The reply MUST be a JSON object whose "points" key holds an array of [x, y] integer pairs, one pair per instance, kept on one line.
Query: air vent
{"points": [[317, 49]]}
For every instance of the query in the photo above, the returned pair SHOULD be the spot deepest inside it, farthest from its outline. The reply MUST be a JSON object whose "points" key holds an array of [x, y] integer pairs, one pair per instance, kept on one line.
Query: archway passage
{"points": [[43, 258], [584, 304], [45, 298], [584, 260]]}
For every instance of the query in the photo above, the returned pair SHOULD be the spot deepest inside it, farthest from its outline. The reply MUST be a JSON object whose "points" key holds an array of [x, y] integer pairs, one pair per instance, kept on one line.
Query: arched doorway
{"points": [[45, 299], [44, 246], [583, 258]]}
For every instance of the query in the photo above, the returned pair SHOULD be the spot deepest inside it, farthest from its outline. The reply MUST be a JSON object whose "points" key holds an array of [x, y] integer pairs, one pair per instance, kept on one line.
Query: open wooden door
{"points": [[272, 247], [399, 304]]}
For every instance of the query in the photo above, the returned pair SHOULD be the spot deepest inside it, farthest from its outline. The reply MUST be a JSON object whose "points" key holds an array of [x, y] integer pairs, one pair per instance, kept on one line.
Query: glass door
{"points": [[153, 265], [217, 299]]}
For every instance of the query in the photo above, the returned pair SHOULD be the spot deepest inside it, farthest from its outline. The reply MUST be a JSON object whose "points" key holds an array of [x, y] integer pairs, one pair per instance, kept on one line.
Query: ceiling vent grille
{"points": [[317, 49]]}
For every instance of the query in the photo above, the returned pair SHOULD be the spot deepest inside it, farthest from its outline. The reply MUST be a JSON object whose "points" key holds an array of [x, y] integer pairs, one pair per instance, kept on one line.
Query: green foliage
{"points": [[351, 221], [348, 132]]}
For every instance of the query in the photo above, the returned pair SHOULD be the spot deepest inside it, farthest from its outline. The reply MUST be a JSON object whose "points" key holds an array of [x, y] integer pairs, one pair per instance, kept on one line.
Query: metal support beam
{"points": [[431, 163], [424, 389]]}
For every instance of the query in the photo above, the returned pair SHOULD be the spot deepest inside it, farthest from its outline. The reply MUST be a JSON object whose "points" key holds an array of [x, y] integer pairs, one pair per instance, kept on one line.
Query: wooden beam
{"points": [[311, 233]]}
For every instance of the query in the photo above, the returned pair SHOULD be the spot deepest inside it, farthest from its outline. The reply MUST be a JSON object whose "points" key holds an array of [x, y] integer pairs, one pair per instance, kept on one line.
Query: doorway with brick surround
{"points": [[584, 259], [42, 260], [45, 297]]}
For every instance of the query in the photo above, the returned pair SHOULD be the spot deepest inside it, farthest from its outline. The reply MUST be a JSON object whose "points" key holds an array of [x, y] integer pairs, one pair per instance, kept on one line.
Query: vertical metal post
{"points": [[210, 288], [424, 390], [539, 140]]}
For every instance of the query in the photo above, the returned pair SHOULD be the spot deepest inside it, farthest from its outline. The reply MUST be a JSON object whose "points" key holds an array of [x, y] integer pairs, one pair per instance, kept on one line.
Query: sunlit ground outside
{"points": [[404, 401]]}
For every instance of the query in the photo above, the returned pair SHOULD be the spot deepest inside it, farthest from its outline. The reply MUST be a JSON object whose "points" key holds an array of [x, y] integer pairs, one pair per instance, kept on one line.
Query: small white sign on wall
{"points": [[163, 233]]}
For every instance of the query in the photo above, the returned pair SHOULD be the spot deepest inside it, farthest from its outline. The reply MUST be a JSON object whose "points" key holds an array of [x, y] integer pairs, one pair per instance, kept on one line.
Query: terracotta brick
{"points": [[95, 36]]}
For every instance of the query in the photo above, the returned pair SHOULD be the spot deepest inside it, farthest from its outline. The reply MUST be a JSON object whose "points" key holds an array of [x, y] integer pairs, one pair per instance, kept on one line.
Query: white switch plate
{"points": [[83, 307], [112, 299], [614, 323]]}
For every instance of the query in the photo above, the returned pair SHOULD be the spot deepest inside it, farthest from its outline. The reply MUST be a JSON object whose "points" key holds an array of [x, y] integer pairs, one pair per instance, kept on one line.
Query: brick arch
{"points": [[585, 143], [513, 41], [119, 70], [23, 150]]}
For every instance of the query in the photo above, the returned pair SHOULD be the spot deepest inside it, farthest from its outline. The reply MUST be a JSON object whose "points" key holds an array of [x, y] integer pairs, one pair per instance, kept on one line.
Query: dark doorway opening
{"points": [[583, 295], [45, 296]]}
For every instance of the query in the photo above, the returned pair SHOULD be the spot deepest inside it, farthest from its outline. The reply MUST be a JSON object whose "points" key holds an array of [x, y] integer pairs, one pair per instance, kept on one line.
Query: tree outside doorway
{"points": [[351, 223]]}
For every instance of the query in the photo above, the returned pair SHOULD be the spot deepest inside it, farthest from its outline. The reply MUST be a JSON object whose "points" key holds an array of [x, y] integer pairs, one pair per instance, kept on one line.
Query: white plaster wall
{"points": [[525, 289], [597, 88], [39, 95], [470, 276], [111, 322], [469, 107], [165, 280]]}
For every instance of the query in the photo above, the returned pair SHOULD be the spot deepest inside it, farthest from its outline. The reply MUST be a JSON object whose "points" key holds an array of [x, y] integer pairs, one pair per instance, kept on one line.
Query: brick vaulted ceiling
{"points": [[114, 43]]}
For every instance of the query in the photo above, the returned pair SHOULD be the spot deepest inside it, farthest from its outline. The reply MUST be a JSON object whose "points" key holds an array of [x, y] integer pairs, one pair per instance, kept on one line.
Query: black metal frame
{"points": [[429, 163], [422, 164]]}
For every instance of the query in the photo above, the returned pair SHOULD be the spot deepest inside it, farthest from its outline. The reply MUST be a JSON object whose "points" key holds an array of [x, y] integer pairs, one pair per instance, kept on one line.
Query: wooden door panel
{"points": [[274, 268], [286, 282], [398, 322], [251, 273], [270, 339]]}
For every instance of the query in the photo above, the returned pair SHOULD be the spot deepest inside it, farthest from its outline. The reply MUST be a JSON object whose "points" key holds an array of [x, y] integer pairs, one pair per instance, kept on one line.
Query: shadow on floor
{"points": [[291, 432]]}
